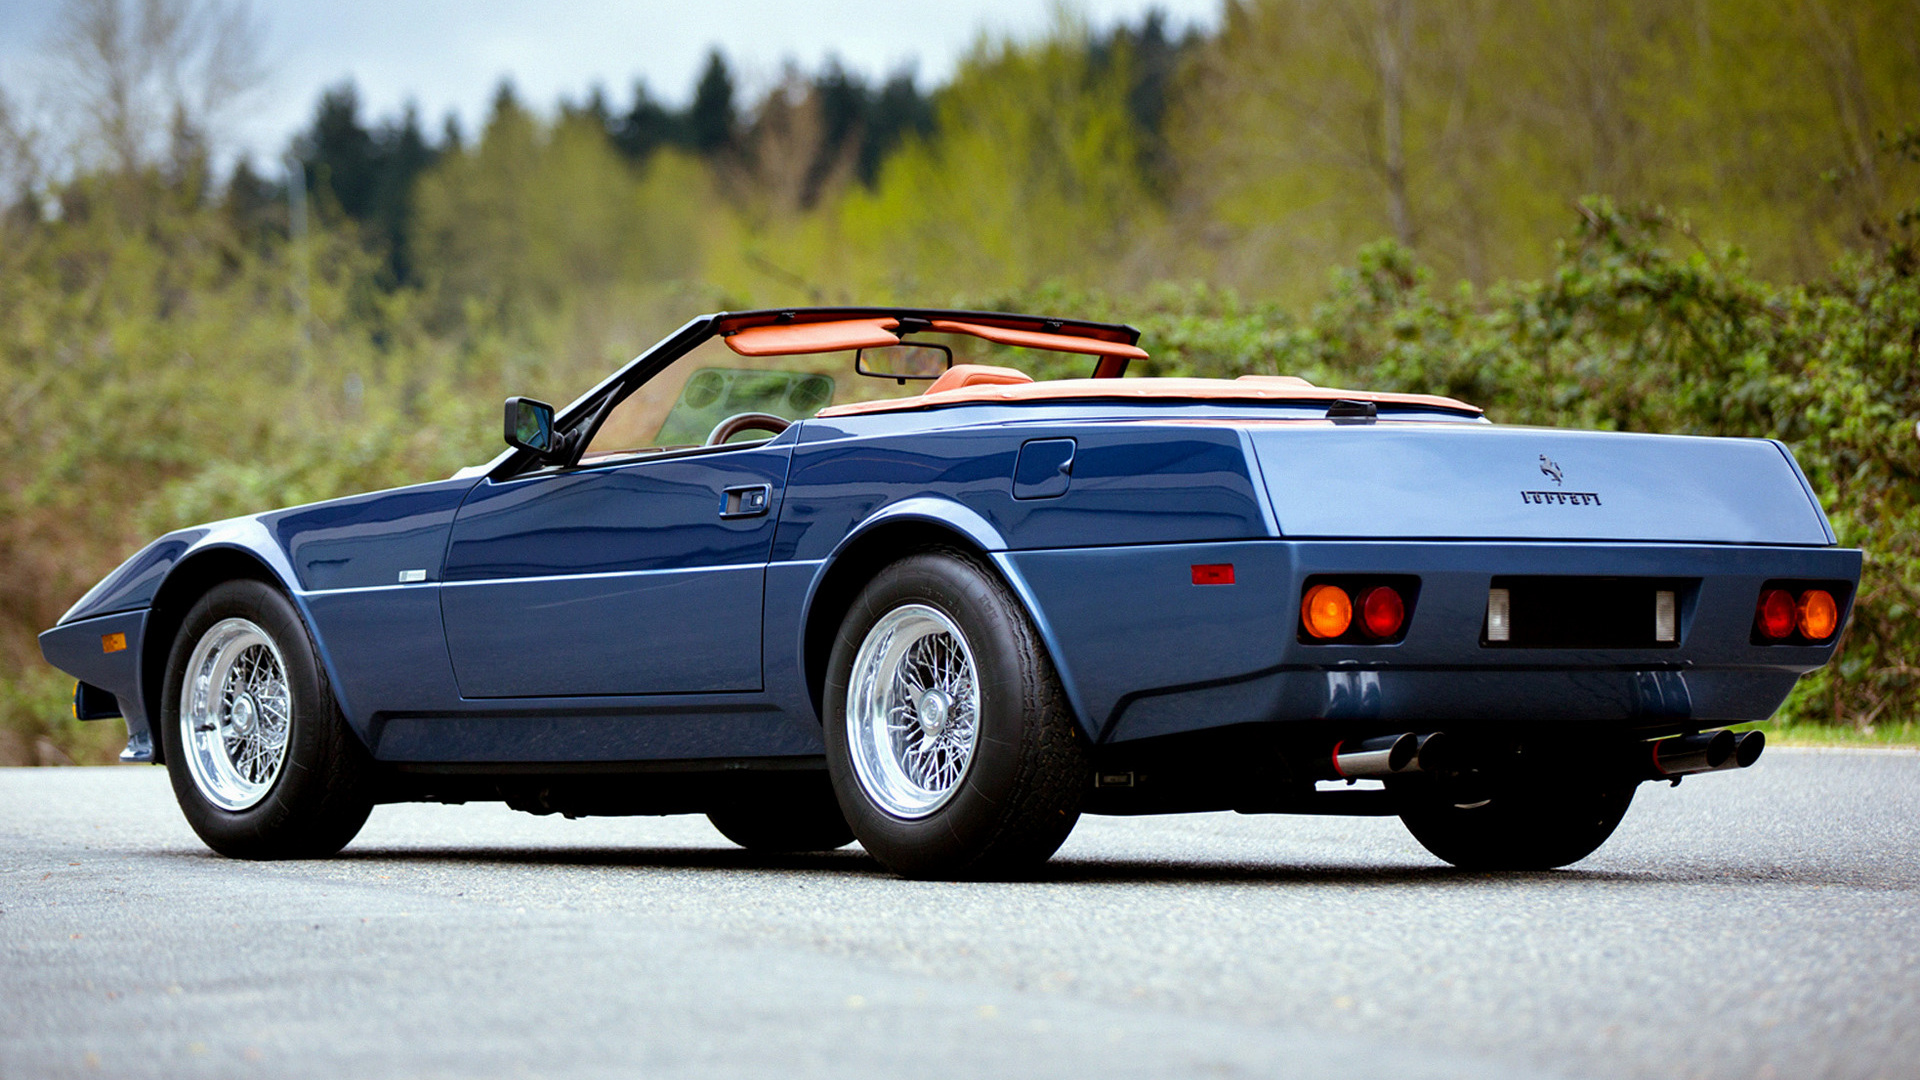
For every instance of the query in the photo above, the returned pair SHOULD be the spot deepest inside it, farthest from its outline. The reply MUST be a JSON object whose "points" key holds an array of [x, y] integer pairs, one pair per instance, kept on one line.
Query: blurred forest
{"points": [[1658, 215]]}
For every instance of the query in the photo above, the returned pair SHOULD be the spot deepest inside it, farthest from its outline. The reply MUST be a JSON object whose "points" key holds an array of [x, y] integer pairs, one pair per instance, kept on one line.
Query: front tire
{"points": [[949, 740], [1525, 822], [262, 763]]}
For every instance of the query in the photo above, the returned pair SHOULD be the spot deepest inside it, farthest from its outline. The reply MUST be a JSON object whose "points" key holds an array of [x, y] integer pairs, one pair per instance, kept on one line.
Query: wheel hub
{"points": [[934, 712], [241, 716]]}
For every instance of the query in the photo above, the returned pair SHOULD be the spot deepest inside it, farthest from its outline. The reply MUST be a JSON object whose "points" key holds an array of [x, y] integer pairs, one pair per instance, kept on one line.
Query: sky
{"points": [[449, 57]]}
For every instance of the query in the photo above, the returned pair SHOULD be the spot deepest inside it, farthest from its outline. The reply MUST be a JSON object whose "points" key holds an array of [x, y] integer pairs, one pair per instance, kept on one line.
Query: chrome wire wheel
{"points": [[235, 714], [913, 711]]}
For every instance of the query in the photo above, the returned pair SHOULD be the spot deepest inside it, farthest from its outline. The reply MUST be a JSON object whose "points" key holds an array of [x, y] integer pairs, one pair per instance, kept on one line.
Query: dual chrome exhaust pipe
{"points": [[1708, 751], [1389, 755], [1668, 759]]}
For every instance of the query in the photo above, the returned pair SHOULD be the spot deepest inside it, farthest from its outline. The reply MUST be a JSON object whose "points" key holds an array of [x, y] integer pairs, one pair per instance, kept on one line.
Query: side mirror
{"points": [[529, 426]]}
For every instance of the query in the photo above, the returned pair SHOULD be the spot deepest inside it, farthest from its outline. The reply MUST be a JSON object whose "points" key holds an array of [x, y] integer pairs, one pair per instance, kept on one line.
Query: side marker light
{"points": [[113, 642], [1776, 614], [1327, 611], [1499, 615], [1817, 615], [1213, 573]]}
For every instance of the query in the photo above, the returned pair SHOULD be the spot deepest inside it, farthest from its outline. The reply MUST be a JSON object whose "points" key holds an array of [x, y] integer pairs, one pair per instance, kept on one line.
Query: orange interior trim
{"points": [[960, 375], [1032, 339], [793, 339], [1270, 389]]}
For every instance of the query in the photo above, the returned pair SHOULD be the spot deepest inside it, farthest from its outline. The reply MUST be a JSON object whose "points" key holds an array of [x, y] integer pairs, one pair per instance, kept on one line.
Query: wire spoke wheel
{"points": [[913, 711], [235, 714]]}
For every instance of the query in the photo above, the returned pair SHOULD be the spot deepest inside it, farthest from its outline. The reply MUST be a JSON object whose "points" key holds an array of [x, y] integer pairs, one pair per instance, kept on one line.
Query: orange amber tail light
{"points": [[1327, 611], [1817, 615]]}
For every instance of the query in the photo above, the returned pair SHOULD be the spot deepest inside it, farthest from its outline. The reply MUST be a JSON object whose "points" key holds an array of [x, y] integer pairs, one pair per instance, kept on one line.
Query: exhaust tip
{"points": [[1720, 747], [1371, 758], [1435, 753], [1704, 752], [1405, 749], [1747, 747]]}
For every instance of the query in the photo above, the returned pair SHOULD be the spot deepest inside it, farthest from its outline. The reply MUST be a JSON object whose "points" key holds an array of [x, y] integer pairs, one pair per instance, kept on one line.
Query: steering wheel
{"points": [[746, 421]]}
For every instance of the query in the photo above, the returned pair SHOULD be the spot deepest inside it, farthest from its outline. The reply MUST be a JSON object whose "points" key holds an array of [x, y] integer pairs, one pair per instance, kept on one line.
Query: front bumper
{"points": [[105, 652]]}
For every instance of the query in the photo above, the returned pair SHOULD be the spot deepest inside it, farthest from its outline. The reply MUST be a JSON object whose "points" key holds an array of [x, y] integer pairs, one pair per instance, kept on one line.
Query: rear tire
{"points": [[949, 739], [262, 762], [1516, 822]]}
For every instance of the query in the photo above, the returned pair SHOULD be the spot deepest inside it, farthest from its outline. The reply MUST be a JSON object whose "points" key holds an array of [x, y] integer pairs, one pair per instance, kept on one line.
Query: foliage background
{"points": [[1655, 215]]}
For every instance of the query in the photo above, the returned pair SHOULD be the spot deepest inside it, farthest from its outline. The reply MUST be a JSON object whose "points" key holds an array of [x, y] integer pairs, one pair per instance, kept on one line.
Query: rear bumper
{"points": [[1145, 652]]}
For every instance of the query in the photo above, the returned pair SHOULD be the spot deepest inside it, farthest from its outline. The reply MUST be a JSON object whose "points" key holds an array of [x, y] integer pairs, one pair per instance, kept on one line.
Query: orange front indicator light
{"points": [[1776, 614], [1382, 611], [1817, 615], [1327, 611]]}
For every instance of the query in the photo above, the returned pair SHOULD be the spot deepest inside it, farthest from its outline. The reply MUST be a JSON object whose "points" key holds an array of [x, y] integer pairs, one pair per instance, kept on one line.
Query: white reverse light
{"points": [[1666, 626], [1499, 615]]}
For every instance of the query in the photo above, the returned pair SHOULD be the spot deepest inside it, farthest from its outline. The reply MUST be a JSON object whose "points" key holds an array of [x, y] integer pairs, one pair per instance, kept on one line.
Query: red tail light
{"points": [[1776, 614], [1382, 611]]}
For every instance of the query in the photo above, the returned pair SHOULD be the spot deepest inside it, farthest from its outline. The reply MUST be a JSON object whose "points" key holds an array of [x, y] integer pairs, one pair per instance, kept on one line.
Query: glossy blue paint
{"points": [[1467, 481], [132, 586], [368, 541], [1148, 653], [628, 578], [387, 650], [75, 647], [1044, 470], [1132, 483]]}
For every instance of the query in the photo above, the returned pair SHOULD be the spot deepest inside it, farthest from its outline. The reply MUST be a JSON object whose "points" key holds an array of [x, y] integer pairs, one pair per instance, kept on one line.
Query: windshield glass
{"points": [[683, 405]]}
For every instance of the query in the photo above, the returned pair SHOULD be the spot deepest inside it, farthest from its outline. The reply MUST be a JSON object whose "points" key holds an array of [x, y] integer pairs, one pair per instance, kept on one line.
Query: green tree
{"points": [[711, 120]]}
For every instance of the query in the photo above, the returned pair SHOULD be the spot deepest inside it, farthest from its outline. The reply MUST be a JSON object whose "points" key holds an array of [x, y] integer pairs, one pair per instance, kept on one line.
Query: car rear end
{"points": [[1584, 593]]}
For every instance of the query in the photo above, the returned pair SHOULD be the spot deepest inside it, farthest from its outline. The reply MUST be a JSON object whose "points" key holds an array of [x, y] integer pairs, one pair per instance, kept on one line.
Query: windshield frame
{"points": [[587, 412]]}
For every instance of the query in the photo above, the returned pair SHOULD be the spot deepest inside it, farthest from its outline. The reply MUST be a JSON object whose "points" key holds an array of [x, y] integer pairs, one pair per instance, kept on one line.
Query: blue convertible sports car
{"points": [[805, 573]]}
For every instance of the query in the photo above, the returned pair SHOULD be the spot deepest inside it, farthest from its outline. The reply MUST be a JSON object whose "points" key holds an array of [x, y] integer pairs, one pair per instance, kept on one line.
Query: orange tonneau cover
{"points": [[1033, 339], [1246, 388], [793, 339]]}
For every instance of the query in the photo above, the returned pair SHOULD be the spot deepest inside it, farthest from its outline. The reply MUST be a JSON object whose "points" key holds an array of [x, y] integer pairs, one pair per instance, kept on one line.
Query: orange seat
{"points": [[961, 375]]}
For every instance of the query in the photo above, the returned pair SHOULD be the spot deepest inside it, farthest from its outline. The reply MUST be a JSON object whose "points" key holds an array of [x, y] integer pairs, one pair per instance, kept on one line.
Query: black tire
{"points": [[1022, 789], [805, 819], [320, 797], [1518, 822]]}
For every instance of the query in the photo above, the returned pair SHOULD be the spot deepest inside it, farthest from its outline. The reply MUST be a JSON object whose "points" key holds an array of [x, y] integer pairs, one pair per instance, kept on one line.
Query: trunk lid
{"points": [[1477, 481]]}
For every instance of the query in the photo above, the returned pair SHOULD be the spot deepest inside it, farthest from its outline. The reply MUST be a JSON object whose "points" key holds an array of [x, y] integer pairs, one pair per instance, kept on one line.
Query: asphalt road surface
{"points": [[1764, 924]]}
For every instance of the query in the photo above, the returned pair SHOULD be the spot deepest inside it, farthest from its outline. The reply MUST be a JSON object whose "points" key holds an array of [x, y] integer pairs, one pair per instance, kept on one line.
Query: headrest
{"points": [[960, 375]]}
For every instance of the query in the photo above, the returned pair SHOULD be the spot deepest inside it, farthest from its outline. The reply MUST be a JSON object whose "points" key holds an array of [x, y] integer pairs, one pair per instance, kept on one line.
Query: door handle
{"points": [[744, 502]]}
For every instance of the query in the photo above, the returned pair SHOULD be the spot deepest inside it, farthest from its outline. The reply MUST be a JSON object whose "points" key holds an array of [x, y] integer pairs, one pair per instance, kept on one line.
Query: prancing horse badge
{"points": [[1552, 469]]}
